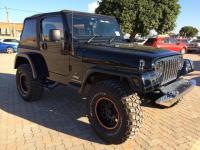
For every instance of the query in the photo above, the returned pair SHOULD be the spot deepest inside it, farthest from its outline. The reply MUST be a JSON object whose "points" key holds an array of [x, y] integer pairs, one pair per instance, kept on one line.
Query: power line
{"points": [[22, 10], [8, 10]]}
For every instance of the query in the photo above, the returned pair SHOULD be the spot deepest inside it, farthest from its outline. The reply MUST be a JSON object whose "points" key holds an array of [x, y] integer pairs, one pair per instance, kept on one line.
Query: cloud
{"points": [[92, 6]]}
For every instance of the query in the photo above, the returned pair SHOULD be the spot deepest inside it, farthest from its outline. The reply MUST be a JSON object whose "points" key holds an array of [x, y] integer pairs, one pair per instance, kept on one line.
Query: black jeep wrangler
{"points": [[88, 53]]}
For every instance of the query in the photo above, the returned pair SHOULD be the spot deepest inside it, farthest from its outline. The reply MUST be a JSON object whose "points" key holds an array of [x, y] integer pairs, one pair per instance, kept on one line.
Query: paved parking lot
{"points": [[58, 121]]}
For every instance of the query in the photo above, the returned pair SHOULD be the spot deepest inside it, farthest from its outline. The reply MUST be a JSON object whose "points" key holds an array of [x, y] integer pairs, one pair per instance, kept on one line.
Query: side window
{"points": [[173, 41], [52, 23], [162, 41], [29, 34], [166, 41]]}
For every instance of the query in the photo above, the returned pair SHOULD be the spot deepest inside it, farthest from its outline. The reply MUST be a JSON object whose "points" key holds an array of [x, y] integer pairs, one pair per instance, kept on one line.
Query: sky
{"points": [[189, 15]]}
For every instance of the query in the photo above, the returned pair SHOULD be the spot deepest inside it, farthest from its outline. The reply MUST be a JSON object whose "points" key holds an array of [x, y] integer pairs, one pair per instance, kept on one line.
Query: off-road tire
{"points": [[128, 105], [35, 90]]}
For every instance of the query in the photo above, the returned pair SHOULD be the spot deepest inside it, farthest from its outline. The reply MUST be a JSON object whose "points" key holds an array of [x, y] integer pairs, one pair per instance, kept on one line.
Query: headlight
{"points": [[159, 68], [180, 63]]}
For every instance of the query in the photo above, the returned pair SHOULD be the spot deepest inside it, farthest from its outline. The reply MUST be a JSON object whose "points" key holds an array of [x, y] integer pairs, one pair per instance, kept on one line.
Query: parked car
{"points": [[8, 45], [194, 45], [87, 52], [167, 43], [184, 41]]}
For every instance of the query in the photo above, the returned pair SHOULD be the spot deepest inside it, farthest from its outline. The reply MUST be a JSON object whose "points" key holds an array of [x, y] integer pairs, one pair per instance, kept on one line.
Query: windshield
{"points": [[150, 41], [87, 26]]}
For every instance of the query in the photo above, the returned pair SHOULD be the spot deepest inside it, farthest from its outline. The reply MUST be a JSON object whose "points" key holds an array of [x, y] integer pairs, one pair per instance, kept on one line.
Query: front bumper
{"points": [[173, 91]]}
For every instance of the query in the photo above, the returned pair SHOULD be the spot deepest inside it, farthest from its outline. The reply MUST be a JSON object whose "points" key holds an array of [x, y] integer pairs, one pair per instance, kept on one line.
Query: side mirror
{"points": [[54, 35]]}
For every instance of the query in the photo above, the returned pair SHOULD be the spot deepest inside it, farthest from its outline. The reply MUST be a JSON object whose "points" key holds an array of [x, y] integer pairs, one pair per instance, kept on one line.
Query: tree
{"points": [[140, 16], [188, 31]]}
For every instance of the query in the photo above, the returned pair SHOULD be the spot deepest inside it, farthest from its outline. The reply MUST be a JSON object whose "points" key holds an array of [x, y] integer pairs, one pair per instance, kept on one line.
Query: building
{"points": [[10, 30]]}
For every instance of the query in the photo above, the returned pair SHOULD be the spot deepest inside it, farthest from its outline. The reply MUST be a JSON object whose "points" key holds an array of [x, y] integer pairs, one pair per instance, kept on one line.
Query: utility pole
{"points": [[7, 14], [9, 30]]}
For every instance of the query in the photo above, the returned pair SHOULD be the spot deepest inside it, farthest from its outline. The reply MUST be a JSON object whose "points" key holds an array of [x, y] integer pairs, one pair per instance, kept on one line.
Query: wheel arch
{"points": [[9, 46], [95, 75], [184, 47], [36, 61]]}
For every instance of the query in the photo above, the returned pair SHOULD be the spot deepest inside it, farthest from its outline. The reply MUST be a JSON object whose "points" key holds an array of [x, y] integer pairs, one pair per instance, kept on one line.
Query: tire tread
{"points": [[131, 105]]}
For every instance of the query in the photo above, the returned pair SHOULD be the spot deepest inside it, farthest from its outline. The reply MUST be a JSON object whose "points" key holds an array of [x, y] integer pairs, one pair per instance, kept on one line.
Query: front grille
{"points": [[171, 67]]}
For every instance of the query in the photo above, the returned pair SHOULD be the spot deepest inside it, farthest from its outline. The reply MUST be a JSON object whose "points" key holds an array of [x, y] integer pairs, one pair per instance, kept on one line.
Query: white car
{"points": [[194, 45]]}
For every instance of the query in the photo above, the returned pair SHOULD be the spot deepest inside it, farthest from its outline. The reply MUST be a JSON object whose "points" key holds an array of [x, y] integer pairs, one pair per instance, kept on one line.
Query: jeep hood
{"points": [[123, 55]]}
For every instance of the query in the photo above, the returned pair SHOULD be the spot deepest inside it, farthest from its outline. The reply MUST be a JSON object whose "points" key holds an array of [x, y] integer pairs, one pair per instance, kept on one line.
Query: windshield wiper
{"points": [[112, 39], [91, 39]]}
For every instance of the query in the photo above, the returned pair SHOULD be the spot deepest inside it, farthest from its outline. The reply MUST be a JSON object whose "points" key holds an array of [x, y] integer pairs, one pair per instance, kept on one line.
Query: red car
{"points": [[167, 43]]}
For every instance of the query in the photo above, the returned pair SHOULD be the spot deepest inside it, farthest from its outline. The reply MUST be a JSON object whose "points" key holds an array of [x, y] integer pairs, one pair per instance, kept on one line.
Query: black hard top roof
{"points": [[64, 11]]}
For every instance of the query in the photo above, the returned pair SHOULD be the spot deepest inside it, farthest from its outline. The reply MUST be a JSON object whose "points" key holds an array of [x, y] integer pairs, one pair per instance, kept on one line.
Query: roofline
{"points": [[66, 11], [87, 13]]}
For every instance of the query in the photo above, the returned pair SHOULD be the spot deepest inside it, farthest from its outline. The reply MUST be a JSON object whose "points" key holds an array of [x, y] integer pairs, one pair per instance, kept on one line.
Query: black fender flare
{"points": [[36, 61], [114, 73]]}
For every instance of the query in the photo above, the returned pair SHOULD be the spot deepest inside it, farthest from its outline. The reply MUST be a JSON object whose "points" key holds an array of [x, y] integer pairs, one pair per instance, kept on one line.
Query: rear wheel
{"points": [[9, 50], [30, 89], [114, 114]]}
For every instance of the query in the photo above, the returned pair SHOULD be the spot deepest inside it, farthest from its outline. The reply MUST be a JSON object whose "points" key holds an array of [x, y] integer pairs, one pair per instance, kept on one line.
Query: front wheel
{"points": [[114, 114], [30, 89]]}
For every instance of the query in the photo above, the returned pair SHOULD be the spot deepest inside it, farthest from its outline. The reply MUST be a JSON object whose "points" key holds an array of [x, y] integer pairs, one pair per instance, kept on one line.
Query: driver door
{"points": [[56, 57]]}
